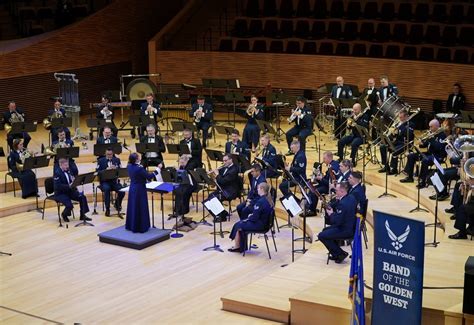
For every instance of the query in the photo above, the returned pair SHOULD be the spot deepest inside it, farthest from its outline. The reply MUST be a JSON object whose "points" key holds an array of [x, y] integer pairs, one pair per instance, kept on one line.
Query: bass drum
{"points": [[387, 113], [137, 89]]}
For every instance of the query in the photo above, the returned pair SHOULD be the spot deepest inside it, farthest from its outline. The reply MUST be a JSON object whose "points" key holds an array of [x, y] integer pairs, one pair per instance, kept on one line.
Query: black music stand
{"points": [[141, 121], [67, 153], [439, 187], [320, 128], [20, 127], [109, 175], [222, 129], [216, 210], [214, 83], [292, 206], [98, 124], [198, 176], [147, 147], [267, 127], [35, 163], [99, 149], [418, 162], [364, 133], [242, 161], [178, 149], [2, 152], [265, 166], [279, 100], [180, 126], [81, 180], [233, 97], [61, 122], [214, 155], [390, 150]]}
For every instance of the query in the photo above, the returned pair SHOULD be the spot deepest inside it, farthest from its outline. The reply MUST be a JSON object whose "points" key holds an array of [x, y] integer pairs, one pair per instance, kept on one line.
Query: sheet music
{"points": [[153, 185], [125, 189], [215, 206], [438, 165], [291, 205], [436, 181]]}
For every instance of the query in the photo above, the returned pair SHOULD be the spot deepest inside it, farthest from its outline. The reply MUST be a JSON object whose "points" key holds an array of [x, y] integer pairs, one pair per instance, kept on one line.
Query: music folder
{"points": [[99, 149], [215, 207], [147, 147], [35, 162], [108, 174], [180, 149], [140, 120], [83, 179], [214, 155], [222, 129], [61, 122], [20, 127], [291, 205], [71, 152]]}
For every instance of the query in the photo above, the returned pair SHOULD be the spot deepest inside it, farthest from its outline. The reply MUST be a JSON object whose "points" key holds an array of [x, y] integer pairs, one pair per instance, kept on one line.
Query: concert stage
{"points": [[121, 237]]}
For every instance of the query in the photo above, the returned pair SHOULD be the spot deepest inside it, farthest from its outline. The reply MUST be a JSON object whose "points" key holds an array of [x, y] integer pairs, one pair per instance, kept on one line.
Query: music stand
{"points": [[110, 175], [198, 179], [35, 163], [267, 127], [222, 129], [233, 97], [390, 149], [214, 83], [214, 155], [439, 187], [364, 134], [81, 180], [99, 149], [147, 147], [141, 121], [2, 152], [347, 102], [20, 127], [179, 149], [68, 153], [292, 206], [97, 124], [418, 162], [279, 100], [265, 165], [180, 126], [216, 210], [242, 161]]}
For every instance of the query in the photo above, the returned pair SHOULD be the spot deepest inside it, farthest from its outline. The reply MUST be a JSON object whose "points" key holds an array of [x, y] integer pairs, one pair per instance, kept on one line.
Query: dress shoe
{"points": [[107, 213], [341, 258], [459, 235], [383, 170], [234, 249], [407, 180], [450, 210], [86, 218], [117, 207], [393, 172], [421, 185], [65, 218], [470, 231], [443, 197], [332, 257]]}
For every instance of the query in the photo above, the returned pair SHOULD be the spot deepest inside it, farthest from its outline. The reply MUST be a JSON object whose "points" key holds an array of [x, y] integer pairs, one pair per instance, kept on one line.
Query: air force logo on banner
{"points": [[302, 164], [397, 241]]}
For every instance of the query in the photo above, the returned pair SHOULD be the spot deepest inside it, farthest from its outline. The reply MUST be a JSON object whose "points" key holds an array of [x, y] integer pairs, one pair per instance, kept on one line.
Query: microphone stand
{"points": [[389, 157], [434, 243]]}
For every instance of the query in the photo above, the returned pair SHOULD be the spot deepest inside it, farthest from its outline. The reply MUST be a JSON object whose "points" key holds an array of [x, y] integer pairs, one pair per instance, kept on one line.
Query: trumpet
{"points": [[47, 121], [15, 118], [106, 112], [150, 109], [198, 115], [251, 109], [294, 114]]}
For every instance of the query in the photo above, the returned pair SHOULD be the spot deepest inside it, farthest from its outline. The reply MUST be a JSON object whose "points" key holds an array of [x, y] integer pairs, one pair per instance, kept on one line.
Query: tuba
{"points": [[15, 118], [464, 144], [47, 121]]}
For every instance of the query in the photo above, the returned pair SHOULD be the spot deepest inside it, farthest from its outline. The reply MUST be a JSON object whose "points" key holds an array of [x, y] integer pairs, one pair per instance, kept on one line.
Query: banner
{"points": [[399, 247], [356, 277]]}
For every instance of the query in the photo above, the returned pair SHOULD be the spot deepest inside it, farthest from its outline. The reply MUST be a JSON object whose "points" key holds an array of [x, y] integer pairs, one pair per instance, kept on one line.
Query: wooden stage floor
{"points": [[66, 275]]}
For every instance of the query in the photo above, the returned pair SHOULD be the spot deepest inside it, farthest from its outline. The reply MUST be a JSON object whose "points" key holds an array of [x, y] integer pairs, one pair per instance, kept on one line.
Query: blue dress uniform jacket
{"points": [[345, 92], [258, 220], [385, 92], [26, 178], [64, 194], [183, 193], [110, 185], [251, 132], [153, 161], [228, 180], [436, 147], [102, 140], [72, 164], [138, 218], [10, 136], [298, 166], [156, 105], [269, 156], [456, 105], [334, 167], [241, 149], [358, 192], [206, 120], [243, 209], [302, 129]]}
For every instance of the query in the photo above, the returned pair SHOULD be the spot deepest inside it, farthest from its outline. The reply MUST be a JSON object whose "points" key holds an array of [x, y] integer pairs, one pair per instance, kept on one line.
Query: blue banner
{"points": [[356, 277], [399, 248]]}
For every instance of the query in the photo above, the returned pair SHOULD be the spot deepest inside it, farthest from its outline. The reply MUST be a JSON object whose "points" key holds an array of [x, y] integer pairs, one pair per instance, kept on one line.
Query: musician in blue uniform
{"points": [[237, 147], [26, 178], [57, 112], [105, 112], [251, 132], [340, 91], [357, 189], [245, 208], [341, 220], [107, 137], [203, 115], [15, 114], [183, 193], [107, 186], [354, 139], [150, 108], [303, 127], [63, 142], [323, 182], [297, 168], [65, 193], [227, 179], [138, 218], [269, 156], [195, 148], [386, 89], [436, 150], [153, 158], [404, 134], [258, 219], [369, 95], [456, 100]]}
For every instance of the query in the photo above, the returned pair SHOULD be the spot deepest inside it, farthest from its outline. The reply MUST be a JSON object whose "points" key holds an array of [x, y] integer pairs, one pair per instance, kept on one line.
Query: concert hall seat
{"points": [[371, 10], [337, 9], [422, 11], [264, 232], [302, 29], [259, 46], [366, 32], [342, 49], [350, 31], [439, 14], [309, 48], [318, 31], [469, 18], [376, 51], [392, 52], [444, 55], [255, 28], [286, 8], [326, 48], [404, 11], [426, 54], [409, 53], [449, 37], [456, 14], [242, 45], [276, 46], [383, 32], [293, 47], [399, 33], [225, 45], [359, 50], [387, 11], [271, 28], [44, 13], [334, 30], [353, 10], [466, 36], [433, 34], [80, 11], [303, 9], [416, 34], [286, 28], [320, 9], [240, 28], [269, 8], [461, 56], [252, 8]]}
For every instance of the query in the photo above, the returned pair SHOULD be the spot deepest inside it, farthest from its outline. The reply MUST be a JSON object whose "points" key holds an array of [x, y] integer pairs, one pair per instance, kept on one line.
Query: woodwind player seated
{"points": [[187, 185], [105, 163], [63, 142], [245, 208], [153, 158], [235, 146], [227, 179]]}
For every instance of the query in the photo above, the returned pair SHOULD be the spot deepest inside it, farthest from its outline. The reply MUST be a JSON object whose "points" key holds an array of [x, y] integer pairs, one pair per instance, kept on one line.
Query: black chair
{"points": [[359, 50], [387, 11], [49, 189], [240, 28], [444, 55], [409, 53], [276, 46], [320, 9], [255, 28], [259, 46], [342, 49], [269, 8], [426, 54], [366, 31], [439, 14], [337, 9], [383, 32], [334, 30], [309, 48], [9, 174], [353, 10], [242, 45], [450, 36], [286, 28], [392, 52], [270, 228], [422, 12], [363, 227], [303, 9], [404, 11], [466, 36], [399, 33], [433, 34], [318, 31], [270, 29], [461, 56], [326, 48], [371, 10], [252, 8], [416, 34], [456, 14], [293, 47], [350, 31], [376, 51], [348, 239], [225, 45], [302, 29], [286, 8]]}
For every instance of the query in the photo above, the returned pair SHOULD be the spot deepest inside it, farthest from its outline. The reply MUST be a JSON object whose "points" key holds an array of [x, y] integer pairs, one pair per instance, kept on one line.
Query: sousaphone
{"points": [[138, 88]]}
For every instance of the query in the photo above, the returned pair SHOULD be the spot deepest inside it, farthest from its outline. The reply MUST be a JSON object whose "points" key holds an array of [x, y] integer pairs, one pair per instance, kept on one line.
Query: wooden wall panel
{"points": [[422, 80]]}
